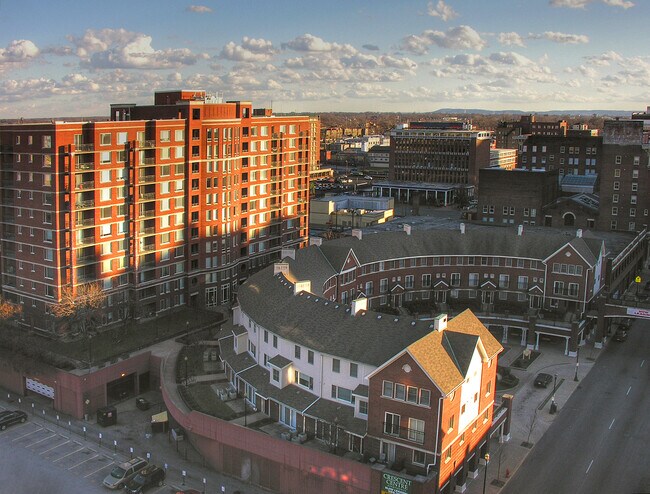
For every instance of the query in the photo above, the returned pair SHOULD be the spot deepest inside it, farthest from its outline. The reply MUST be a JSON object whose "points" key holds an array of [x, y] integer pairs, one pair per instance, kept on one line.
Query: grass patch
{"points": [[201, 398]]}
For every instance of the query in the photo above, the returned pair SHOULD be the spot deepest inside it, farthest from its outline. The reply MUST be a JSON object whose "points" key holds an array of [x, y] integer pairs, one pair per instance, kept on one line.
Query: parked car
{"points": [[142, 403], [8, 418], [543, 380], [124, 472], [620, 335], [147, 477]]}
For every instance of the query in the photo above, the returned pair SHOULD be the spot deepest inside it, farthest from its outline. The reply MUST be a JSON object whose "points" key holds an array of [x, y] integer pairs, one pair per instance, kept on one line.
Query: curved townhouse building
{"points": [[415, 395]]}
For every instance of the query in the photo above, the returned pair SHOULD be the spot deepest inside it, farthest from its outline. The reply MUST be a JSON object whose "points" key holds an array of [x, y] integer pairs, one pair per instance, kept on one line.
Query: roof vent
{"points": [[316, 241], [301, 286], [407, 229], [520, 230], [356, 232], [579, 233]]}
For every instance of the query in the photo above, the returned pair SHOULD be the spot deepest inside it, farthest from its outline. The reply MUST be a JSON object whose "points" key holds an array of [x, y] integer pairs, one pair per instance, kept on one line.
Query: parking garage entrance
{"points": [[121, 388]]}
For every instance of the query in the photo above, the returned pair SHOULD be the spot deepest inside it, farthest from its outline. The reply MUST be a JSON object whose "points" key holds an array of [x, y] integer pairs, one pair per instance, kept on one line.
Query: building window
{"points": [[391, 424], [452, 421], [412, 394], [387, 389], [276, 375], [275, 341], [504, 281], [400, 392], [354, 369], [455, 279], [336, 365], [310, 356], [296, 351], [363, 407], [105, 139], [425, 397], [416, 430]]}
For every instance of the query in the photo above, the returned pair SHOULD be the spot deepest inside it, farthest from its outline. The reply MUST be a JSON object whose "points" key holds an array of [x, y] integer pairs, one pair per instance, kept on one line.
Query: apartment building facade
{"points": [[510, 134], [438, 152], [625, 175], [516, 196], [165, 205], [576, 153]]}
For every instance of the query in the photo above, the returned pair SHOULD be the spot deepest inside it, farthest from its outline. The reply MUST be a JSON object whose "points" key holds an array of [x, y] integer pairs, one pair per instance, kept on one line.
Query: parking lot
{"points": [[66, 452]]}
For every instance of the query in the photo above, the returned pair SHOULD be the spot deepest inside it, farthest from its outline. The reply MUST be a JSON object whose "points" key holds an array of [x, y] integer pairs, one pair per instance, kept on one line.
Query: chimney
{"points": [[316, 241], [440, 322], [520, 230], [288, 253], [280, 267], [356, 232], [301, 286], [359, 304], [462, 228], [407, 229], [579, 233]]}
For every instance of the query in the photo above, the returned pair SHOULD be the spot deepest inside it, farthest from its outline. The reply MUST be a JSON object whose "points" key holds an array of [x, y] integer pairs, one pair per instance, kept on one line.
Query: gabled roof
{"points": [[445, 355]]}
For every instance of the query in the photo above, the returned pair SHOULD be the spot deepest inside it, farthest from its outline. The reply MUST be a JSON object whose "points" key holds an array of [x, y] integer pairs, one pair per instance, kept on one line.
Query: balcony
{"points": [[147, 196], [147, 143], [85, 148], [412, 435], [148, 247], [89, 203], [84, 222], [91, 258], [147, 213], [148, 231], [86, 240], [84, 166], [88, 184], [149, 161], [143, 179]]}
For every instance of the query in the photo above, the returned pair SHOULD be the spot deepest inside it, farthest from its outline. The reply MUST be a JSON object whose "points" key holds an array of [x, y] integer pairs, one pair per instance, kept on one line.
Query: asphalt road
{"points": [[599, 443]]}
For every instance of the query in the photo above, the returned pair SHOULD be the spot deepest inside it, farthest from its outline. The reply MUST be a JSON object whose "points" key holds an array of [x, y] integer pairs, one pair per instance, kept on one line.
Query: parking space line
{"points": [[99, 469], [57, 446], [82, 462], [40, 441], [65, 456], [25, 435]]}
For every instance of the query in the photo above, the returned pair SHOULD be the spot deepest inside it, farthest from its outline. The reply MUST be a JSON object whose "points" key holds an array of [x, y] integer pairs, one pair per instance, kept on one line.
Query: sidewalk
{"points": [[134, 438], [531, 416]]}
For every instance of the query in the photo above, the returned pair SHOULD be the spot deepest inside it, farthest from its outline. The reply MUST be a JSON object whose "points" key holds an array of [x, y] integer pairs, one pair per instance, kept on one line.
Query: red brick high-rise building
{"points": [[165, 205]]}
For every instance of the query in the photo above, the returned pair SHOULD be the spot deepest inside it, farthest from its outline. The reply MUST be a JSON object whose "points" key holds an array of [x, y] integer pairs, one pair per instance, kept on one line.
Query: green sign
{"points": [[392, 484]]}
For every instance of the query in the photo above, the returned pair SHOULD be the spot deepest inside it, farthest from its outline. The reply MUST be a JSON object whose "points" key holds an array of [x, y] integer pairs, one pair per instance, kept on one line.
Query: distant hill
{"points": [[478, 111]]}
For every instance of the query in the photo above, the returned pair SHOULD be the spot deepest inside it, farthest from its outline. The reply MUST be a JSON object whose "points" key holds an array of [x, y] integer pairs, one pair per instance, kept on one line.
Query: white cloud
{"points": [[310, 43], [565, 38], [199, 9], [442, 10], [251, 50], [581, 4], [604, 59], [118, 48], [511, 39], [461, 37], [18, 52]]}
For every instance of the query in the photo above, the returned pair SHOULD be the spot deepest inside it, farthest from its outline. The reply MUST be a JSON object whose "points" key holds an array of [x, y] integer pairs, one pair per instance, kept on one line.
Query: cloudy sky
{"points": [[68, 57]]}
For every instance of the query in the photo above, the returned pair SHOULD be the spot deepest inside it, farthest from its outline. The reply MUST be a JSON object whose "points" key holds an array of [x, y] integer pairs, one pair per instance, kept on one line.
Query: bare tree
{"points": [[533, 421], [80, 305], [8, 310]]}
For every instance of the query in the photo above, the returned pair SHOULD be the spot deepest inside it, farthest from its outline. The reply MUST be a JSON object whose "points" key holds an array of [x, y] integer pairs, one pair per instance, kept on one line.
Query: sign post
{"points": [[637, 280]]}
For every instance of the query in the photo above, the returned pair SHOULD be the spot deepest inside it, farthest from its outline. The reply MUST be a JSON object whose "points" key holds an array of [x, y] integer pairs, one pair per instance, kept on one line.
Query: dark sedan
{"points": [[10, 418], [543, 380]]}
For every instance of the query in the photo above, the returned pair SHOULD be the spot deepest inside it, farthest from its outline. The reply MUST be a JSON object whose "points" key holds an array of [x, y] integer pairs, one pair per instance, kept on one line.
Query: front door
{"points": [[288, 417], [388, 452]]}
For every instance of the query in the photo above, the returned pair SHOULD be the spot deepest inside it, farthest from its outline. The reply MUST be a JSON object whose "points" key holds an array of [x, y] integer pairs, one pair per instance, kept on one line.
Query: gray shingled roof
{"points": [[293, 396], [326, 326], [329, 411], [279, 361], [460, 348], [481, 242]]}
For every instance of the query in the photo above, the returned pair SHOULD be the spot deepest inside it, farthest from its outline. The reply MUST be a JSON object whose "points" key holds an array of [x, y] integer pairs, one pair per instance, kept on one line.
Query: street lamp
{"points": [[185, 359], [575, 378], [487, 462], [553, 405]]}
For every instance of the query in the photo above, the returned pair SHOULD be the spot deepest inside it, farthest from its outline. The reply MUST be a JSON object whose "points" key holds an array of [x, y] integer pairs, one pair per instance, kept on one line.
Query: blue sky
{"points": [[69, 57]]}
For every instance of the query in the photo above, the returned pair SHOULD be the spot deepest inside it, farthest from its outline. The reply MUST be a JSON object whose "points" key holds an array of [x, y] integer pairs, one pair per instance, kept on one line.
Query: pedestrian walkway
{"points": [[531, 416]]}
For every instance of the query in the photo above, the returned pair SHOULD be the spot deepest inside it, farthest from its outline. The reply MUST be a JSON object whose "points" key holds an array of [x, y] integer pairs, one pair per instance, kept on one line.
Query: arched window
{"points": [[569, 219]]}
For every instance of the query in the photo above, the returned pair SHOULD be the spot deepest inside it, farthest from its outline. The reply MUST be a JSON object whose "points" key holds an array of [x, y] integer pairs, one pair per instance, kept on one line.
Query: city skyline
{"points": [[308, 57]]}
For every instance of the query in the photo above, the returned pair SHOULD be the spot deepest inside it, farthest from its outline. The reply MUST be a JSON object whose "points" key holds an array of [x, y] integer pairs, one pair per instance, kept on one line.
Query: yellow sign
{"points": [[637, 279]]}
